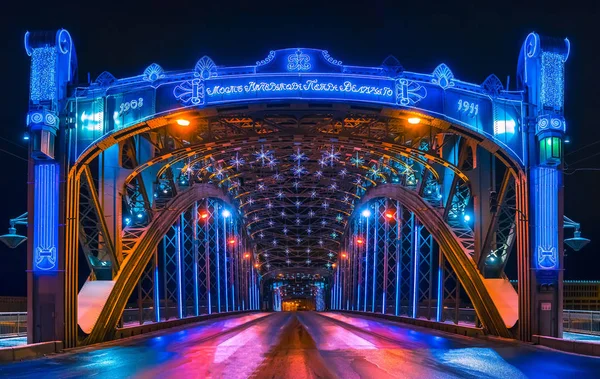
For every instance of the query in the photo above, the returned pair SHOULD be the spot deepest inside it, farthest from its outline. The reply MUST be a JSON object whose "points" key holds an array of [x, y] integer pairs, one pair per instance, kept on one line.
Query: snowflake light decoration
{"points": [[357, 161], [323, 222], [343, 172], [299, 170], [237, 161], [280, 194], [263, 155], [318, 174], [272, 162], [298, 221], [325, 204], [299, 156], [339, 218], [311, 213], [271, 222], [220, 172], [331, 156], [277, 176], [261, 187]]}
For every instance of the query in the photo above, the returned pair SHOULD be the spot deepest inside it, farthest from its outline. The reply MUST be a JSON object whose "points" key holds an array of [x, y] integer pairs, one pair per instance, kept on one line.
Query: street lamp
{"points": [[577, 242], [12, 239]]}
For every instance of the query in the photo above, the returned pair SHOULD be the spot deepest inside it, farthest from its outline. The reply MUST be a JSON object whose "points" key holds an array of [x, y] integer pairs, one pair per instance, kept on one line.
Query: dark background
{"points": [[474, 40]]}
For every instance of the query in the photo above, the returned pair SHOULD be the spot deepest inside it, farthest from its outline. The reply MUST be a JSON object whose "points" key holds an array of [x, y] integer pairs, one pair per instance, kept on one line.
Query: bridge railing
{"points": [[13, 324], [585, 322]]}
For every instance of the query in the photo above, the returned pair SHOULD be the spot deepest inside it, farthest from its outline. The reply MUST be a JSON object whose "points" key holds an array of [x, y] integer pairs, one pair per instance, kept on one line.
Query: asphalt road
{"points": [[306, 345]]}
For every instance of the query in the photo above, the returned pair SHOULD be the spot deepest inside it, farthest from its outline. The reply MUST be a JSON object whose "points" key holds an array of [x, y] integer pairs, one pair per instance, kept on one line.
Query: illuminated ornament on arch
{"points": [[443, 76], [298, 61]]}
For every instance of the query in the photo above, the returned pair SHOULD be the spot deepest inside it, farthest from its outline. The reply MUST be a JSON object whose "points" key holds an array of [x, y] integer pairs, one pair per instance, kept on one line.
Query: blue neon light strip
{"points": [[546, 213], [366, 266], [440, 293], [156, 296], [398, 256], [225, 263], [374, 259], [217, 261], [415, 293], [45, 218], [196, 295], [179, 241]]}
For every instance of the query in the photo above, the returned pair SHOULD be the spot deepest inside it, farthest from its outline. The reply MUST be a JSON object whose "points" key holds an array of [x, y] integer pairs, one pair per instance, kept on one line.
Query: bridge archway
{"points": [[277, 139]]}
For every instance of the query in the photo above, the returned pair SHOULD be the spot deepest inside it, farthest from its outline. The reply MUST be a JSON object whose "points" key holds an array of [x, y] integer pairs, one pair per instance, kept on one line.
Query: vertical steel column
{"points": [[406, 262], [425, 270], [156, 287], [398, 219], [225, 262], [415, 267], [366, 269], [217, 252], [188, 258], [384, 289], [171, 248], [375, 263], [440, 288], [209, 219], [179, 237], [196, 253]]}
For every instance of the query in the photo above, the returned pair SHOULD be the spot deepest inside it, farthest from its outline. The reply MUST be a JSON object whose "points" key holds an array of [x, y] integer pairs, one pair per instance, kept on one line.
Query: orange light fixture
{"points": [[333, 265], [232, 241], [389, 215], [203, 215], [247, 255], [360, 241], [256, 265], [414, 120], [183, 122], [344, 255]]}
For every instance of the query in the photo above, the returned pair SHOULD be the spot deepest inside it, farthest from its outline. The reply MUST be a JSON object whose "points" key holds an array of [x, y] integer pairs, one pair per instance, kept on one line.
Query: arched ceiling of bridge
{"points": [[296, 174]]}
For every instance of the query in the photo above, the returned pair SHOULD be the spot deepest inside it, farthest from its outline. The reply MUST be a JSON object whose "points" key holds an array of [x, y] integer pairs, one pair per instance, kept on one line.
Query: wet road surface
{"points": [[306, 345]]}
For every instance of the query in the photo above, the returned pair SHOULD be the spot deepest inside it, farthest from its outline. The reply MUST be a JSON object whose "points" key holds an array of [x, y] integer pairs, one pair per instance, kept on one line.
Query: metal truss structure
{"points": [[198, 269], [393, 266]]}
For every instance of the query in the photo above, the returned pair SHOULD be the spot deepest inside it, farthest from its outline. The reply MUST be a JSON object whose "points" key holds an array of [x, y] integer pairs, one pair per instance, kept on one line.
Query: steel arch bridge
{"points": [[175, 194]]}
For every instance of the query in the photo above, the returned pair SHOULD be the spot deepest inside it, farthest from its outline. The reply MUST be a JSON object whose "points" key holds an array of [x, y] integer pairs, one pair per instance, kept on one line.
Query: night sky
{"points": [[472, 39]]}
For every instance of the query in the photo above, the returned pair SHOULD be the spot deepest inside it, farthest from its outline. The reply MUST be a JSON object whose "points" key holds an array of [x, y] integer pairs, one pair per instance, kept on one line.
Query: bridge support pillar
{"points": [[541, 70]]}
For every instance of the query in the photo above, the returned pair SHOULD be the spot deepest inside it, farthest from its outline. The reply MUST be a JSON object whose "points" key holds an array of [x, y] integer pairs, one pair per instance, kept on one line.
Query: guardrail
{"points": [[585, 322], [13, 324]]}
